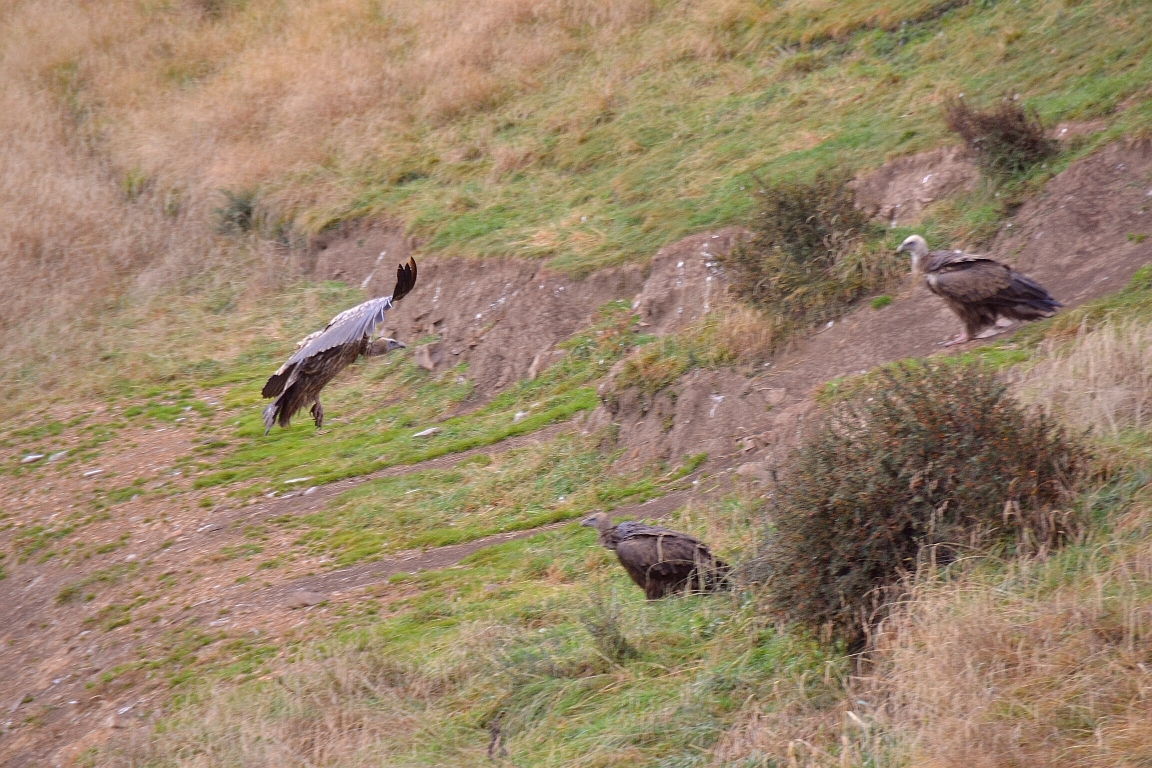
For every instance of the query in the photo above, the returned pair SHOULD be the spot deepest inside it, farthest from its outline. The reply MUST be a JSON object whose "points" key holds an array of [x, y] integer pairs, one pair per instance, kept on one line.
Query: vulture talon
{"points": [[321, 355]]}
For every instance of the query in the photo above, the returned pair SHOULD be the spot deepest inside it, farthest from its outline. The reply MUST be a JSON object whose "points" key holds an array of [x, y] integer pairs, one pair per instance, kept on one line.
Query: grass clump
{"points": [[811, 252], [1007, 139], [931, 462], [238, 213], [601, 619]]}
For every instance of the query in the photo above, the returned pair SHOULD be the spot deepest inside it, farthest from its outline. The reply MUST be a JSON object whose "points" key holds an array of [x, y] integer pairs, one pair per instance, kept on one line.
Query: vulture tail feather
{"points": [[270, 413]]}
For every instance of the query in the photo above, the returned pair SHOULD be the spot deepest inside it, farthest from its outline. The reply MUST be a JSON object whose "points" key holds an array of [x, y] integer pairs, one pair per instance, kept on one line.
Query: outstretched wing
{"points": [[405, 279], [351, 325]]}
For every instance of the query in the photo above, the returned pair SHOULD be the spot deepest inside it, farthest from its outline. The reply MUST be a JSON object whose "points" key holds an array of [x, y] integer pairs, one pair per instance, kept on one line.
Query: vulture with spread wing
{"points": [[321, 355], [659, 560], [979, 290]]}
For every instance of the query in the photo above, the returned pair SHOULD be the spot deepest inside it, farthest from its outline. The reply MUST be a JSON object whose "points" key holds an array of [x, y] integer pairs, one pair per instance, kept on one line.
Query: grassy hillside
{"points": [[141, 307], [586, 133]]}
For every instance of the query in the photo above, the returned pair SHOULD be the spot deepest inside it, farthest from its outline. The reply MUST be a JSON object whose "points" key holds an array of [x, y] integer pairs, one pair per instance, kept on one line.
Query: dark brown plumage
{"points": [[659, 560], [979, 290], [321, 355]]}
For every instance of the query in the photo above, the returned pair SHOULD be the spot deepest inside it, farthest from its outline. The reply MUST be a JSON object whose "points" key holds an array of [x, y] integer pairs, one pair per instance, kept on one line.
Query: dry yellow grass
{"points": [[1101, 381], [240, 94], [1038, 667]]}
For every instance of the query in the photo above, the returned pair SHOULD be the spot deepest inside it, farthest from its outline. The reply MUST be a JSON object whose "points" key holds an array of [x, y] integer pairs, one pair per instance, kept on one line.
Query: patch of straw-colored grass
{"points": [[1101, 380]]}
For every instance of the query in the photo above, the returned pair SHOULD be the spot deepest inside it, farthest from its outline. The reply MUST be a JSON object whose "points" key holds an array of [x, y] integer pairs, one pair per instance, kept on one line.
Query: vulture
{"points": [[659, 560], [980, 291], [321, 355]]}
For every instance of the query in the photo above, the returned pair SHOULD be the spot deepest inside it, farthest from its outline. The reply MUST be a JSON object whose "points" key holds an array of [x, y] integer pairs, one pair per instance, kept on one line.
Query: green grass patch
{"points": [[517, 490]]}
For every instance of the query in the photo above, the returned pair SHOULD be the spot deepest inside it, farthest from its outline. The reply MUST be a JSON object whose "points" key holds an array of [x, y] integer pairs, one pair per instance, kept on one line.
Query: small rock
{"points": [[31, 458], [310, 490], [755, 470], [57, 456], [295, 480], [519, 416], [91, 473], [304, 599], [427, 432], [427, 355]]}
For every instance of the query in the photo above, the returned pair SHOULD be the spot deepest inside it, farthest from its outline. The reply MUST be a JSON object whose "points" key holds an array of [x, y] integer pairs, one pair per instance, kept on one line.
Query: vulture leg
{"points": [[318, 413]]}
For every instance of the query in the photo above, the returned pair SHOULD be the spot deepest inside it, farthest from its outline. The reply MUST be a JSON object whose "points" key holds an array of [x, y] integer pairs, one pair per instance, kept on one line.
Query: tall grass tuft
{"points": [[931, 462], [601, 619]]}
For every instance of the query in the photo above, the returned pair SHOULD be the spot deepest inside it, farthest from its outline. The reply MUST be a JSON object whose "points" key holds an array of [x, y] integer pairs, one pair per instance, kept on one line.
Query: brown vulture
{"points": [[659, 560], [321, 355], [979, 290]]}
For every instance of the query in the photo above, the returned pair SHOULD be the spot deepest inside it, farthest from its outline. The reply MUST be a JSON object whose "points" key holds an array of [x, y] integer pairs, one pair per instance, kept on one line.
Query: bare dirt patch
{"points": [[684, 281], [500, 316], [900, 190], [363, 253]]}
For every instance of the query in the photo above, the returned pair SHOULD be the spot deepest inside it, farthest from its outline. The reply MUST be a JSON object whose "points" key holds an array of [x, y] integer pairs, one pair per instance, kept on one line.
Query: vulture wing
{"points": [[405, 280], [351, 325], [965, 279], [662, 561], [969, 280]]}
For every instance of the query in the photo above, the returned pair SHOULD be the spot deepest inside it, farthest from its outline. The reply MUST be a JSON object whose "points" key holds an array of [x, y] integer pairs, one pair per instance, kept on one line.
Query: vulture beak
{"points": [[900, 248], [588, 522]]}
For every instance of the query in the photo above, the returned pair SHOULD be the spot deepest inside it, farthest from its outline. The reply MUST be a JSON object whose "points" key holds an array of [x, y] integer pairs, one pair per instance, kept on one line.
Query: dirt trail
{"points": [[311, 499], [415, 560]]}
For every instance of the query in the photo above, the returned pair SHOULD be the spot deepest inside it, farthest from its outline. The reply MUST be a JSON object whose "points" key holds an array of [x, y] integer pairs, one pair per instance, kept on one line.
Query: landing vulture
{"points": [[321, 355], [659, 560], [979, 290]]}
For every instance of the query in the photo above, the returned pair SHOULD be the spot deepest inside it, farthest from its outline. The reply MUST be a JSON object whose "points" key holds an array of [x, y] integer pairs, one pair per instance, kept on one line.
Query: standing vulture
{"points": [[659, 560], [979, 290], [321, 355]]}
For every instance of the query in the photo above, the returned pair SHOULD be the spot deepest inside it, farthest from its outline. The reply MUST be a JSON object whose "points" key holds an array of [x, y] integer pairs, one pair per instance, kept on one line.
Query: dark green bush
{"points": [[238, 214], [1007, 139], [929, 462], [809, 255]]}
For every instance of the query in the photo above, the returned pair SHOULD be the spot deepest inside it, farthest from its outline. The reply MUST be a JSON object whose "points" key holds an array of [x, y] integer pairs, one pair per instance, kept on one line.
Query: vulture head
{"points": [[917, 247], [601, 521], [392, 344]]}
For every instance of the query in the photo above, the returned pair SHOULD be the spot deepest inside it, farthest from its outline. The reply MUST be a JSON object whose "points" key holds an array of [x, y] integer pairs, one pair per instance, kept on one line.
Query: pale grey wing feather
{"points": [[348, 326]]}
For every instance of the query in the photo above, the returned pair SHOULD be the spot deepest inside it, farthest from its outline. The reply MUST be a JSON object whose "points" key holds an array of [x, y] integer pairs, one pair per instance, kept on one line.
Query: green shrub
{"points": [[929, 462], [238, 214], [1007, 139], [812, 252]]}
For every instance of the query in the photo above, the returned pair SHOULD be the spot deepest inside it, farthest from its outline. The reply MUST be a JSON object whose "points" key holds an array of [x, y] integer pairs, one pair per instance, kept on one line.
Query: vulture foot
{"points": [[318, 414], [959, 339]]}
